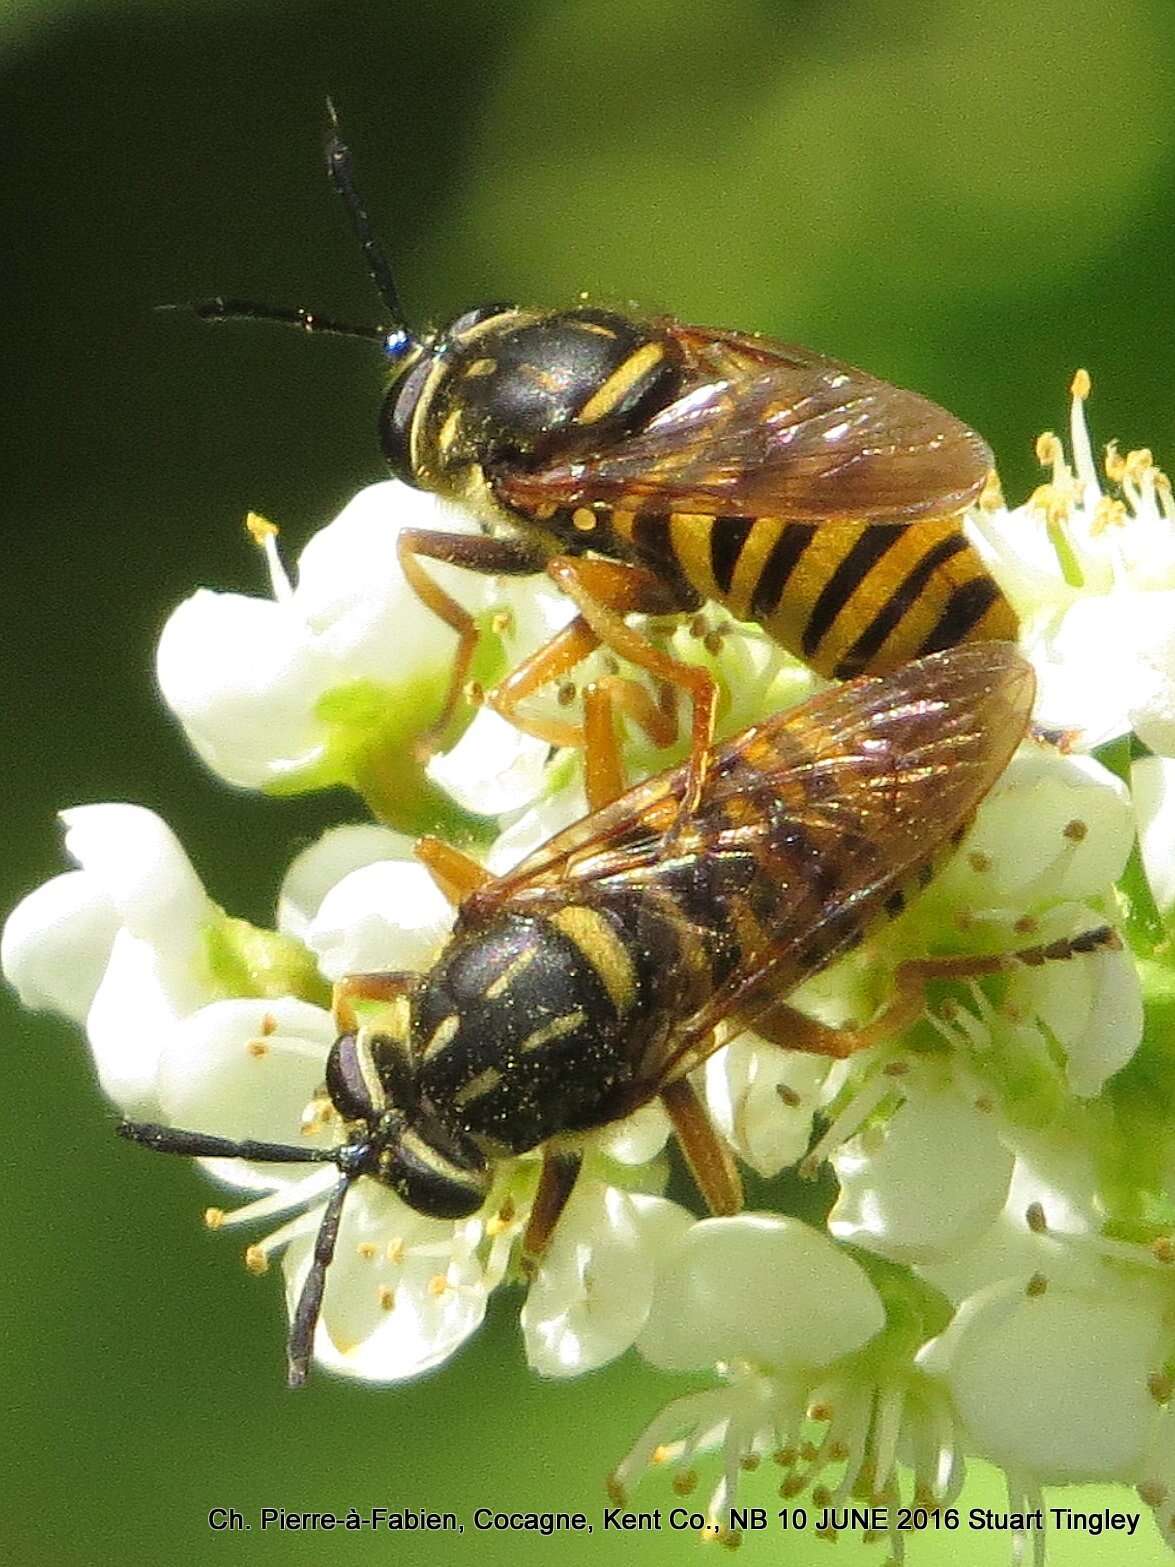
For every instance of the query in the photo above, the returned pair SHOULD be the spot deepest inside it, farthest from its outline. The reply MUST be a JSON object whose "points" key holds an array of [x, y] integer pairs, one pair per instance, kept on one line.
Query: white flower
{"points": [[120, 943], [330, 680], [594, 1288], [1055, 1383], [1092, 577], [926, 1182]]}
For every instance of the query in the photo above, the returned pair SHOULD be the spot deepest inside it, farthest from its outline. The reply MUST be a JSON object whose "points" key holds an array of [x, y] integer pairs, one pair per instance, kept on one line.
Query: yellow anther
{"points": [[269, 1024], [822, 1412], [260, 528], [1076, 831], [661, 1454], [1139, 463], [749, 1462], [1108, 513], [1081, 385], [1160, 1386], [386, 1296], [1049, 450], [255, 1260], [1036, 1286], [214, 1217], [1115, 464], [615, 1492], [438, 1285], [257, 1048], [367, 1250], [395, 1250], [685, 1482], [502, 622], [1163, 1249], [1035, 1219]]}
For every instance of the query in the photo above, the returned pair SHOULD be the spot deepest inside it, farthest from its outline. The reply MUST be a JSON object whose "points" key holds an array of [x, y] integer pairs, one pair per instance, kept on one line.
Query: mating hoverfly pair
{"points": [[646, 467]]}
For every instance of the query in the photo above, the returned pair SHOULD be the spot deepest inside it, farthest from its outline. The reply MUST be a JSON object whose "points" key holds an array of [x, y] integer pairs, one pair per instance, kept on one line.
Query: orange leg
{"points": [[605, 591], [456, 874], [351, 988], [474, 552], [556, 1183], [708, 1157], [784, 1025]]}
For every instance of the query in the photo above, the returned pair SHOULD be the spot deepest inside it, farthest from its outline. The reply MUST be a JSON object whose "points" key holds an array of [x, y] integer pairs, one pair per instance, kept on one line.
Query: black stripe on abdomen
{"points": [[778, 567], [727, 537], [902, 599], [846, 579], [965, 608]]}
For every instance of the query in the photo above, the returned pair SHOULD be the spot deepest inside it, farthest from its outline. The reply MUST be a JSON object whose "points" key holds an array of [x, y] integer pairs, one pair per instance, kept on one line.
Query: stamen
{"points": [[264, 535], [283, 1200]]}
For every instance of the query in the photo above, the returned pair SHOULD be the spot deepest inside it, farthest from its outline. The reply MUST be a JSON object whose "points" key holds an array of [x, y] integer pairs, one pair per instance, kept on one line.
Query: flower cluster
{"points": [[993, 1275]]}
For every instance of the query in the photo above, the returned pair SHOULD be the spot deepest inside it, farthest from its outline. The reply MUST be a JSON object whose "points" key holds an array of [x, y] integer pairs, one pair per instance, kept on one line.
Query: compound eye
{"points": [[396, 416], [352, 1081], [456, 329]]}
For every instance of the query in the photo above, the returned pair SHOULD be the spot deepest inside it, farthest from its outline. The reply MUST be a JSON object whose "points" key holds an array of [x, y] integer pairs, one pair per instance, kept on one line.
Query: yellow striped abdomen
{"points": [[845, 597]]}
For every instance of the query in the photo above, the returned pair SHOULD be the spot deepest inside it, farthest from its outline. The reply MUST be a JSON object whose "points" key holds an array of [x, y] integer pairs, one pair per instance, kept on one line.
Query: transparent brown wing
{"points": [[840, 799], [766, 429]]}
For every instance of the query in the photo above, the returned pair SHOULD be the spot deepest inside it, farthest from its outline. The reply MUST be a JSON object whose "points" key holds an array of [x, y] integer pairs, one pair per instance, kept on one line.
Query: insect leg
{"points": [[556, 1183], [785, 1026], [551, 662], [708, 1158], [474, 552], [384, 986], [605, 591], [456, 874], [301, 1341]]}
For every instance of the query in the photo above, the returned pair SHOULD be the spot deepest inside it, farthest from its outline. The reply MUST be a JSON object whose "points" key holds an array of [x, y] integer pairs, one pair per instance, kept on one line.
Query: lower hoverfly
{"points": [[601, 971], [648, 466]]}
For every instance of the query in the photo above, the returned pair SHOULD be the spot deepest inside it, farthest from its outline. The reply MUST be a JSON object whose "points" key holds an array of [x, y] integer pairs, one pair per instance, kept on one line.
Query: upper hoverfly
{"points": [[600, 972], [648, 466]]}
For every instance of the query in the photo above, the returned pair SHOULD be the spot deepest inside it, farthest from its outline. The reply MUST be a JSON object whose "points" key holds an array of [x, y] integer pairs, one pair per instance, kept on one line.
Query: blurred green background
{"points": [[971, 199]]}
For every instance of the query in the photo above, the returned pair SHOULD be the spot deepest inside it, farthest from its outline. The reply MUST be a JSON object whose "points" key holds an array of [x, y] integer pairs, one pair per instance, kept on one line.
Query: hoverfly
{"points": [[648, 466], [601, 971]]}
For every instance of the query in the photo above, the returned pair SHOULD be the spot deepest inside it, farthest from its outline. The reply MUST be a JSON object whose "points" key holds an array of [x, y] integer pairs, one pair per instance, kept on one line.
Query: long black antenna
{"points": [[340, 169], [350, 1159], [225, 309]]}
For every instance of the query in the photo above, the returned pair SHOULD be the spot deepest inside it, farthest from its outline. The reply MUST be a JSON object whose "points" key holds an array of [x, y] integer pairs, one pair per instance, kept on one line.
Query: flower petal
{"points": [[390, 915], [338, 852], [56, 944], [903, 1196], [1054, 1383], [757, 1288], [595, 1285]]}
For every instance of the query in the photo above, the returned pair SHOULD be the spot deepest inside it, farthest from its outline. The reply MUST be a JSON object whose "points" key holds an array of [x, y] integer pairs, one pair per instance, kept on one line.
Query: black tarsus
{"points": [[339, 168]]}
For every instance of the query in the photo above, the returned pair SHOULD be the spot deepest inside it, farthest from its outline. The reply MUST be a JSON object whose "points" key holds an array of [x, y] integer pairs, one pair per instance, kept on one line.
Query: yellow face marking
{"points": [[441, 1035], [555, 1029], [603, 949], [448, 432], [509, 974], [368, 1071], [432, 1159], [584, 519], [484, 1083], [623, 523], [481, 367], [605, 398]]}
